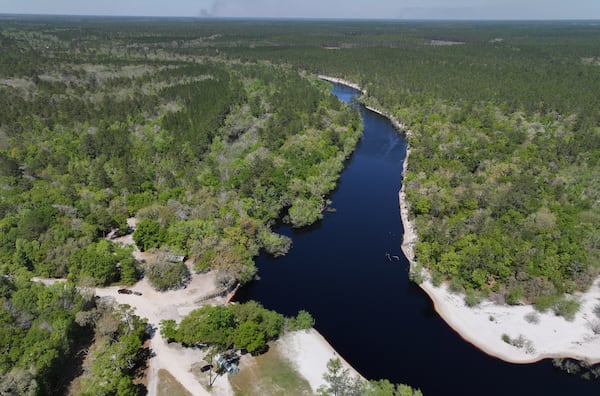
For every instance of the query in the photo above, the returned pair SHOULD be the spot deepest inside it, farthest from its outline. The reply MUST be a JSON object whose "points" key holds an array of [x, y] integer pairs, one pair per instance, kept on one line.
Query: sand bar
{"points": [[309, 353]]}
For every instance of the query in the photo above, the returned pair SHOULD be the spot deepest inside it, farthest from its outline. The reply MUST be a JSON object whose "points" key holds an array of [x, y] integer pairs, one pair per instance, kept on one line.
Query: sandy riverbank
{"points": [[307, 350], [342, 81], [552, 336], [401, 127], [309, 353], [485, 325]]}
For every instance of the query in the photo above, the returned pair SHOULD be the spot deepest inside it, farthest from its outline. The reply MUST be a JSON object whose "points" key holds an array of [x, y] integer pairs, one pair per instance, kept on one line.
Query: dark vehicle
{"points": [[137, 293], [204, 369], [124, 291]]}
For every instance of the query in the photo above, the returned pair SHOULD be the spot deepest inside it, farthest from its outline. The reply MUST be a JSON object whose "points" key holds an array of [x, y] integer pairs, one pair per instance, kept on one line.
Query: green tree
{"points": [[275, 244], [305, 211], [168, 329], [250, 336], [302, 321], [97, 261], [149, 234], [386, 388], [339, 381], [213, 325]]}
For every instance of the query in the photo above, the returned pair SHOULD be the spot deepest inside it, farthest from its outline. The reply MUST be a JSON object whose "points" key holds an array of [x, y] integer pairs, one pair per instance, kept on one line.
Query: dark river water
{"points": [[364, 304]]}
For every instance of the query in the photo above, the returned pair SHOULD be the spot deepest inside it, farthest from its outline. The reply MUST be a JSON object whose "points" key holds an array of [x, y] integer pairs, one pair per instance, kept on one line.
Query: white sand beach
{"points": [[309, 353], [552, 336], [485, 325]]}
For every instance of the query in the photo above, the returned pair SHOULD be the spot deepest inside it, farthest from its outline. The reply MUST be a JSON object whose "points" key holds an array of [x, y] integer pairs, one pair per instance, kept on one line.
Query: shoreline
{"points": [[398, 125], [485, 325], [337, 80], [309, 352]]}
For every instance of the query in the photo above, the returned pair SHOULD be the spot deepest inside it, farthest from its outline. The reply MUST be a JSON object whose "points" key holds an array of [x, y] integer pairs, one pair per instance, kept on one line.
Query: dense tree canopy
{"points": [[209, 132], [248, 326], [99, 124], [205, 153], [505, 142]]}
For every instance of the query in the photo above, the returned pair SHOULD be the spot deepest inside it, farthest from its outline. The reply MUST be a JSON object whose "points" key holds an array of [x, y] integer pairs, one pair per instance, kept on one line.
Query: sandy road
{"points": [[156, 306], [174, 304]]}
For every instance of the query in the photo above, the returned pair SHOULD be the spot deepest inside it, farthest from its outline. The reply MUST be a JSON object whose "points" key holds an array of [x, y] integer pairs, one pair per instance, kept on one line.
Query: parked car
{"points": [[124, 291], [137, 293], [206, 368]]}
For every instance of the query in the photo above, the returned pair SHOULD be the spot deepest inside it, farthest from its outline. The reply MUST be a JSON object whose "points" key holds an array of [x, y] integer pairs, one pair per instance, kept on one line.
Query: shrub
{"points": [[595, 326], [519, 342], [168, 276], [515, 295], [456, 285], [416, 274], [544, 302], [472, 298], [597, 310], [168, 329], [532, 317], [205, 260], [567, 307], [275, 244], [436, 278], [304, 211]]}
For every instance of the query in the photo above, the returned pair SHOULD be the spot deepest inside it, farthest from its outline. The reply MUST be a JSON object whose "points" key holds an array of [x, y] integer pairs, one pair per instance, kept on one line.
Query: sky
{"points": [[363, 9]]}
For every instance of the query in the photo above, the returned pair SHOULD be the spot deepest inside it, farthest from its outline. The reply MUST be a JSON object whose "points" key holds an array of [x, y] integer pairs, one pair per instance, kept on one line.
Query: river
{"points": [[363, 302]]}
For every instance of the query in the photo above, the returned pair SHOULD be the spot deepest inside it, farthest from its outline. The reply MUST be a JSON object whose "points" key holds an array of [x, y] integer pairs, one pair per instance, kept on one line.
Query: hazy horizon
{"points": [[319, 9]]}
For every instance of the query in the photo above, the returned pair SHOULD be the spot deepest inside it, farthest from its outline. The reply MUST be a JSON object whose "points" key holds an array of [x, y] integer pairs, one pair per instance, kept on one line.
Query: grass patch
{"points": [[169, 386], [269, 375]]}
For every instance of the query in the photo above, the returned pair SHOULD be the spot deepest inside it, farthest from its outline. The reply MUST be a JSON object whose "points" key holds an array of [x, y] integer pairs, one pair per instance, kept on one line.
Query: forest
{"points": [[209, 132], [206, 154], [505, 142]]}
